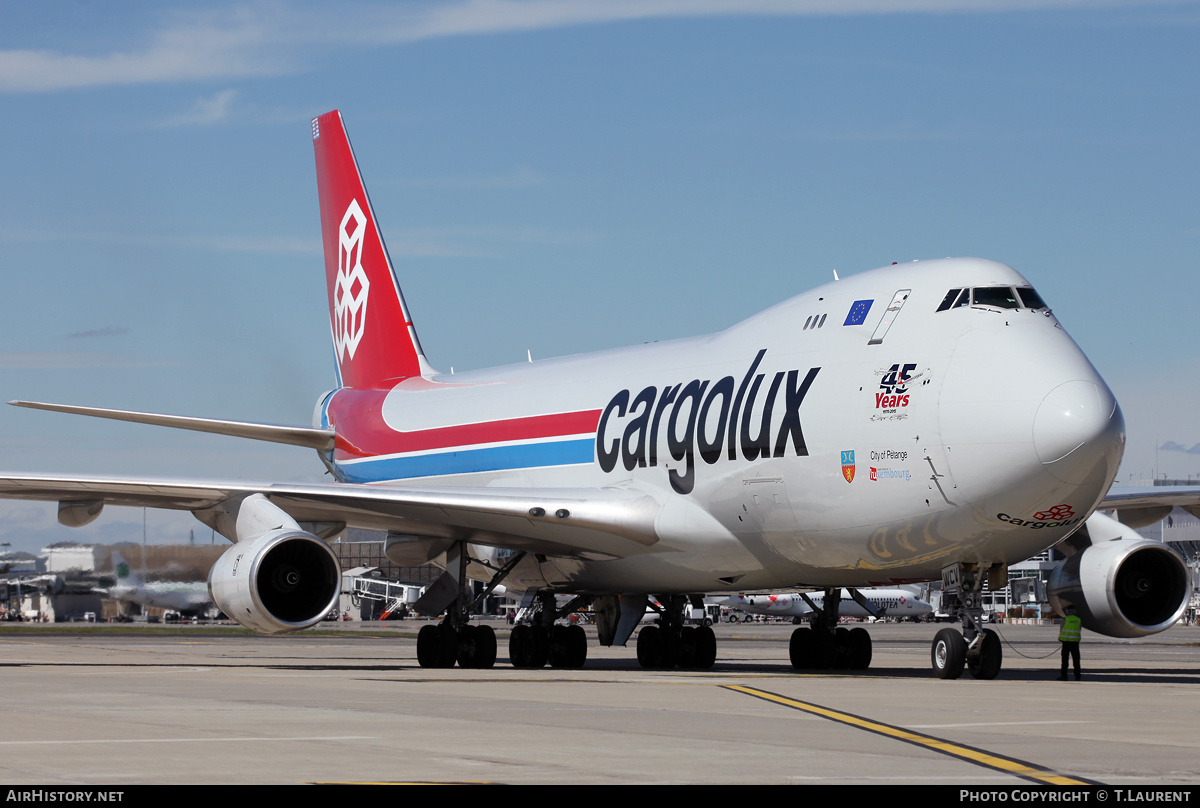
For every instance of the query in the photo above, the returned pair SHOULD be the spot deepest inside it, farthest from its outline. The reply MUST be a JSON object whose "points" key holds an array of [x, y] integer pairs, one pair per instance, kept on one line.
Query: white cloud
{"points": [[73, 360], [232, 43], [275, 38], [205, 112]]}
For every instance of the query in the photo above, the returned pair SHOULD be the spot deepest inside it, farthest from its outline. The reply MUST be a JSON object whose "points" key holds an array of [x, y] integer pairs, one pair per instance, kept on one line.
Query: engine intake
{"points": [[284, 580], [1123, 588]]}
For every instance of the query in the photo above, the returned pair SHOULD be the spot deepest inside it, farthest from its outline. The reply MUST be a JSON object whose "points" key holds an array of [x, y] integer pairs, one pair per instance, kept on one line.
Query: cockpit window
{"points": [[1031, 299], [948, 301], [999, 296]]}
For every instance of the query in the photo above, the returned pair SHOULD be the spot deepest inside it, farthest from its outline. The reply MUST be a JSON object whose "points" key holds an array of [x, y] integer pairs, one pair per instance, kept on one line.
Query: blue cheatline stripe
{"points": [[495, 458]]}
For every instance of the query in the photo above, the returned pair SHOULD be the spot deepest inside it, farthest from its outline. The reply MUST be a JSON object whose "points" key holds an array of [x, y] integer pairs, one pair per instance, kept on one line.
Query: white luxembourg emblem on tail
{"points": [[350, 297]]}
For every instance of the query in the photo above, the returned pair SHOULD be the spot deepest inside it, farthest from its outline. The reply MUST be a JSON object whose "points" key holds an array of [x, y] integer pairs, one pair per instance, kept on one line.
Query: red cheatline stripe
{"points": [[377, 439]]}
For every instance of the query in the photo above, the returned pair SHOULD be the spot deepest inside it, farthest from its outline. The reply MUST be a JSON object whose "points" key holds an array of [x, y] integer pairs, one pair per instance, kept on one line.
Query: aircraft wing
{"points": [[1151, 497], [585, 522], [1138, 507]]}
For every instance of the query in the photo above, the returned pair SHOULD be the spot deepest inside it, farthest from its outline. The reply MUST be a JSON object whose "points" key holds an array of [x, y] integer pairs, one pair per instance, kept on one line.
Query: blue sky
{"points": [[560, 177]]}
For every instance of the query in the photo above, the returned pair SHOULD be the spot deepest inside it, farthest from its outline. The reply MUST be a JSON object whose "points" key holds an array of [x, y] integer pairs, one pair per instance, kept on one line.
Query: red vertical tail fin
{"points": [[373, 336]]}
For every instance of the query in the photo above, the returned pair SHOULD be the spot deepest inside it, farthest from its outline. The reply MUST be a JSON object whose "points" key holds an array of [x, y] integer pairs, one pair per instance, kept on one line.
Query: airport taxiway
{"points": [[173, 705]]}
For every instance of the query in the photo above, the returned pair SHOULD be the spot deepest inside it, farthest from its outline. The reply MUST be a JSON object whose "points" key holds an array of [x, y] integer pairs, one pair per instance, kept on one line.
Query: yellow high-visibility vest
{"points": [[1070, 629]]}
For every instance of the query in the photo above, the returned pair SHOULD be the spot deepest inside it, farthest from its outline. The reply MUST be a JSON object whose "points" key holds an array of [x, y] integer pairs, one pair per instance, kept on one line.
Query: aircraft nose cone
{"points": [[1079, 431]]}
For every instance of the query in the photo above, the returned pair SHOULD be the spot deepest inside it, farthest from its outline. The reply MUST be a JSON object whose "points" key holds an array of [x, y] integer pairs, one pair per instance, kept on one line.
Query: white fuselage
{"points": [[792, 449]]}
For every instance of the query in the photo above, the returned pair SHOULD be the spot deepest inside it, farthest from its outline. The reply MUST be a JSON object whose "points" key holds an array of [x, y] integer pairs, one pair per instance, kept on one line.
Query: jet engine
{"points": [[1121, 585], [284, 580]]}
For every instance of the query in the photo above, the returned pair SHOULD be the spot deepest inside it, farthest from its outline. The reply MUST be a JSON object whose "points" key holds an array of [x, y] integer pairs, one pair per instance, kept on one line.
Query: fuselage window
{"points": [[1001, 297], [807, 323], [822, 323]]}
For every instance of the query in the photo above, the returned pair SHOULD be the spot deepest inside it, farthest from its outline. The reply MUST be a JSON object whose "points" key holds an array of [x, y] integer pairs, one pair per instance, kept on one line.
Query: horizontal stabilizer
{"points": [[319, 439]]}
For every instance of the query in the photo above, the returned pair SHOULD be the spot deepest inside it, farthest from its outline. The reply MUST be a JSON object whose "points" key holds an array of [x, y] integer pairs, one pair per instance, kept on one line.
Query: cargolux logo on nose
{"points": [[1057, 512], [350, 294]]}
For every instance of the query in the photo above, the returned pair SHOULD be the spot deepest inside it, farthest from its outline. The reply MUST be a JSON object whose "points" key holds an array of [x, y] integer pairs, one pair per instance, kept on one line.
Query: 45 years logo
{"points": [[893, 387]]}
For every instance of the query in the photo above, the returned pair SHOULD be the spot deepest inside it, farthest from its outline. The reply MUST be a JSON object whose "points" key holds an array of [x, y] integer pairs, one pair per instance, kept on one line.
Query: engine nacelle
{"points": [[1123, 588], [284, 580]]}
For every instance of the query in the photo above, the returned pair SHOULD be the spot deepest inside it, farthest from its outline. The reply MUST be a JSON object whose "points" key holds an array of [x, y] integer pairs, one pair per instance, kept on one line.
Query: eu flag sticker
{"points": [[858, 312]]}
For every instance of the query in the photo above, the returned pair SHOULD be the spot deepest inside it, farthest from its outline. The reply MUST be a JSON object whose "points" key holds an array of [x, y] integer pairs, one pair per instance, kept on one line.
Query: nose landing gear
{"points": [[975, 648]]}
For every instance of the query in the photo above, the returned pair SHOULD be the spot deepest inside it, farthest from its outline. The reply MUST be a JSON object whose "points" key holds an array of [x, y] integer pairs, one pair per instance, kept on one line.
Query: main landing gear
{"points": [[455, 640], [827, 645], [975, 648], [441, 645], [671, 644], [562, 646]]}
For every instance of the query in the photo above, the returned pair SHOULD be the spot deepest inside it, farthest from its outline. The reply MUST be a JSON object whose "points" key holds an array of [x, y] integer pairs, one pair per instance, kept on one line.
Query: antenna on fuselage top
{"points": [[835, 277]]}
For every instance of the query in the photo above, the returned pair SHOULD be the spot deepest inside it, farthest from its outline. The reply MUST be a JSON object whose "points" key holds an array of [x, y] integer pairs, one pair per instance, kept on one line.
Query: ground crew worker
{"points": [[1069, 637]]}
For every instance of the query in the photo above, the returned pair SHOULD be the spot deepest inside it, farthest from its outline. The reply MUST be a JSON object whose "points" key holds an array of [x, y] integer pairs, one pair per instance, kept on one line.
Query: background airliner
{"points": [[908, 423], [130, 586], [882, 602]]}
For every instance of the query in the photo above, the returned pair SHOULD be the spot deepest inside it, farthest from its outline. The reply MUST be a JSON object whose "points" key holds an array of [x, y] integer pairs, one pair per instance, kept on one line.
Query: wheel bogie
{"points": [[686, 647], [819, 649]]}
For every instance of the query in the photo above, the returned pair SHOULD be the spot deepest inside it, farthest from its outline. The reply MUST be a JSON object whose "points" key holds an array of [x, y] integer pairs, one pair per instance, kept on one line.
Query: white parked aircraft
{"points": [[879, 602], [132, 587], [904, 424]]}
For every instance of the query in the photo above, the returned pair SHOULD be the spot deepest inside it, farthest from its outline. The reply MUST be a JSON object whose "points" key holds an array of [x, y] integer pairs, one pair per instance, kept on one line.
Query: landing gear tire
{"points": [[649, 648], [800, 649], [860, 649], [841, 649], [437, 646], [986, 663], [528, 647], [949, 654], [578, 642], [476, 647], [427, 646], [568, 647], [687, 647], [706, 649], [485, 647]]}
